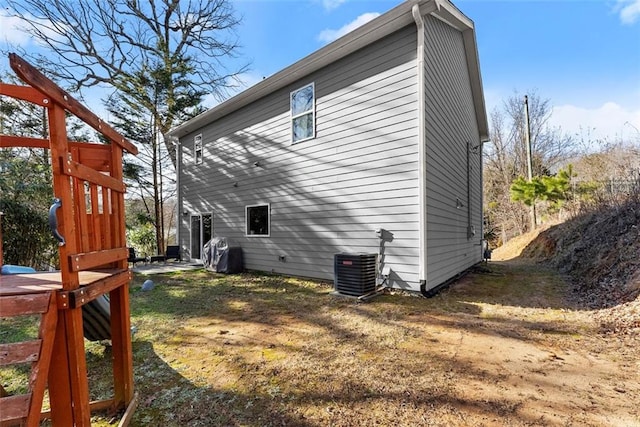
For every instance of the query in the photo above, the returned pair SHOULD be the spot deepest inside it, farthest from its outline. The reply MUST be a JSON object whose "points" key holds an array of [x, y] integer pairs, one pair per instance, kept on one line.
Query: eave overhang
{"points": [[376, 29]]}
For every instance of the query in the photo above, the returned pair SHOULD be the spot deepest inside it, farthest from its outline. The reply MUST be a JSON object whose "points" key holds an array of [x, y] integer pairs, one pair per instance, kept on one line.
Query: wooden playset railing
{"points": [[87, 218]]}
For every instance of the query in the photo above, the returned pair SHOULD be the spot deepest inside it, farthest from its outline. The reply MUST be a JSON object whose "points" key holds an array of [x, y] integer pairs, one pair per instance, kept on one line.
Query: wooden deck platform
{"points": [[33, 283]]}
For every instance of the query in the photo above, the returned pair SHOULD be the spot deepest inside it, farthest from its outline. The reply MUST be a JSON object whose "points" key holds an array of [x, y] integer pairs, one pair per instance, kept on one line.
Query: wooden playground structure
{"points": [[87, 219]]}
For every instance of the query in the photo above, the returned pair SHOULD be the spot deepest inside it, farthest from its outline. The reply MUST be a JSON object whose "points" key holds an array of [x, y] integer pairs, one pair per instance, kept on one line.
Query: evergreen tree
{"points": [[155, 91], [554, 190]]}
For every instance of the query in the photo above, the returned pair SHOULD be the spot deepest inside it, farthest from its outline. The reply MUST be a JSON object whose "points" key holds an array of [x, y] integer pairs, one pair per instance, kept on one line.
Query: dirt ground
{"points": [[550, 364], [500, 347]]}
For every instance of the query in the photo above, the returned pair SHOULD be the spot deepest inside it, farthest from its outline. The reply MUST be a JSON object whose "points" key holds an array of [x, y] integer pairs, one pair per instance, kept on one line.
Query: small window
{"points": [[303, 113], [257, 220], [197, 148]]}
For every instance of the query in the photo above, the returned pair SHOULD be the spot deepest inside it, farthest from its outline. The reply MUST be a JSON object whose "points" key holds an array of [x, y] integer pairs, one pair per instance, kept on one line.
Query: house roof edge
{"points": [[368, 33]]}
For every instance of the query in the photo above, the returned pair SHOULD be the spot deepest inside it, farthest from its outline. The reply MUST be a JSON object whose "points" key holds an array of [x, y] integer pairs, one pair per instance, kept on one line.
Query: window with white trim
{"points": [[257, 220], [197, 149], [303, 113]]}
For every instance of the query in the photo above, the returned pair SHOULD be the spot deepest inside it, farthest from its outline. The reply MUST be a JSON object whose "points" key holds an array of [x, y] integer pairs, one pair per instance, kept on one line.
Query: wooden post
{"points": [[1, 252], [119, 298], [68, 384]]}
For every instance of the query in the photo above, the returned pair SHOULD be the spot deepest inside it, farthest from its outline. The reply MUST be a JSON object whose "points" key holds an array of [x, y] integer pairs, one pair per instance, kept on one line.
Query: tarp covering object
{"points": [[221, 256]]}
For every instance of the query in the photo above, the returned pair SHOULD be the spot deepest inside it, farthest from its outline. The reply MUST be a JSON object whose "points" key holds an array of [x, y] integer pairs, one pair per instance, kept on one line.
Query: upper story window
{"points": [[303, 113], [197, 149]]}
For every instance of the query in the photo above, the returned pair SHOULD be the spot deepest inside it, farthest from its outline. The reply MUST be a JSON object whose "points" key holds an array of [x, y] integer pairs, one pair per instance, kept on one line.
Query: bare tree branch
{"points": [[505, 157], [97, 42]]}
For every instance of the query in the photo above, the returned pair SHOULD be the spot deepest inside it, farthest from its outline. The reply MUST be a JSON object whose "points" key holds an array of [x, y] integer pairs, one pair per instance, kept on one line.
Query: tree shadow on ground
{"points": [[268, 350], [168, 398], [271, 300]]}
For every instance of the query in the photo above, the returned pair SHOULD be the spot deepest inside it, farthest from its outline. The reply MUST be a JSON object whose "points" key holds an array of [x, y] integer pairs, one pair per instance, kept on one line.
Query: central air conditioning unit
{"points": [[355, 274]]}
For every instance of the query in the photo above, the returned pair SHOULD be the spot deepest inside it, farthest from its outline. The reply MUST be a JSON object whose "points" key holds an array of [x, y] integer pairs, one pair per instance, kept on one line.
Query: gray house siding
{"points": [[328, 194], [454, 187], [386, 154]]}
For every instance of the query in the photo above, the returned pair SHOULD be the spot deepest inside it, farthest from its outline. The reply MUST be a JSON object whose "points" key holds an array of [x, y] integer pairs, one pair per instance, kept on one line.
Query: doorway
{"points": [[201, 232]]}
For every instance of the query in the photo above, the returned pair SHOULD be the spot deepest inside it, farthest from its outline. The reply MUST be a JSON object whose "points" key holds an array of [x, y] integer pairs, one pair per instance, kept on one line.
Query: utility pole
{"points": [[527, 135]]}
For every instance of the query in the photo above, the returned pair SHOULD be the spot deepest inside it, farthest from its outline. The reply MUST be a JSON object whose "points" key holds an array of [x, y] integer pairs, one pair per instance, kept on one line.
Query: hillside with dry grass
{"points": [[600, 252]]}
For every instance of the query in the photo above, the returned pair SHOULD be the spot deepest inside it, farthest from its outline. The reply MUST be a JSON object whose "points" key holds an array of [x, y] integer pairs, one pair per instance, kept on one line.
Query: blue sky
{"points": [[583, 55]]}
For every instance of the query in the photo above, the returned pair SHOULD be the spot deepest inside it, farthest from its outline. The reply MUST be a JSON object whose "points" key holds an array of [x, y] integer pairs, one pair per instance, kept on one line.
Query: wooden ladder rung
{"points": [[14, 407], [22, 305], [20, 352], [26, 408]]}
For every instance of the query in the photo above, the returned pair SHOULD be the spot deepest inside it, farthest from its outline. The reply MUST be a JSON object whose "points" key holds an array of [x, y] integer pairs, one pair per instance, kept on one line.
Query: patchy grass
{"points": [[17, 329], [499, 347]]}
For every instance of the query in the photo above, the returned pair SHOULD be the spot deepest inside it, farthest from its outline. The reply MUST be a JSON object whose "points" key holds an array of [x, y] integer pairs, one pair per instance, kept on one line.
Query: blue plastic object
{"points": [[16, 269]]}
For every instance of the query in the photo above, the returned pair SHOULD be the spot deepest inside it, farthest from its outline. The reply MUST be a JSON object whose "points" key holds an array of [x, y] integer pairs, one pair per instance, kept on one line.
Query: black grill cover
{"points": [[219, 256]]}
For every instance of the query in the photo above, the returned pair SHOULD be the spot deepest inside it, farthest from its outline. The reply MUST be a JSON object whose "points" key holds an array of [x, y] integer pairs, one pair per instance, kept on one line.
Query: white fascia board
{"points": [[448, 13], [473, 65], [452, 15]]}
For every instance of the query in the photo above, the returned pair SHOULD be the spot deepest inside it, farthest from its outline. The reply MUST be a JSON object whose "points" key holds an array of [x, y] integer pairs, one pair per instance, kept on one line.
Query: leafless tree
{"points": [[107, 42], [505, 158], [159, 57]]}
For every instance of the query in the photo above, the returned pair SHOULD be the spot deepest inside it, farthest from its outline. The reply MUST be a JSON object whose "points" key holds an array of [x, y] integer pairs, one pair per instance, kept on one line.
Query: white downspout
{"points": [[422, 158], [176, 141]]}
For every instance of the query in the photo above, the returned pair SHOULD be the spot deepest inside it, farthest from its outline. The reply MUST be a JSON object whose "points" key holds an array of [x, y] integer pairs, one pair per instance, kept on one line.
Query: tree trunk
{"points": [[156, 192]]}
